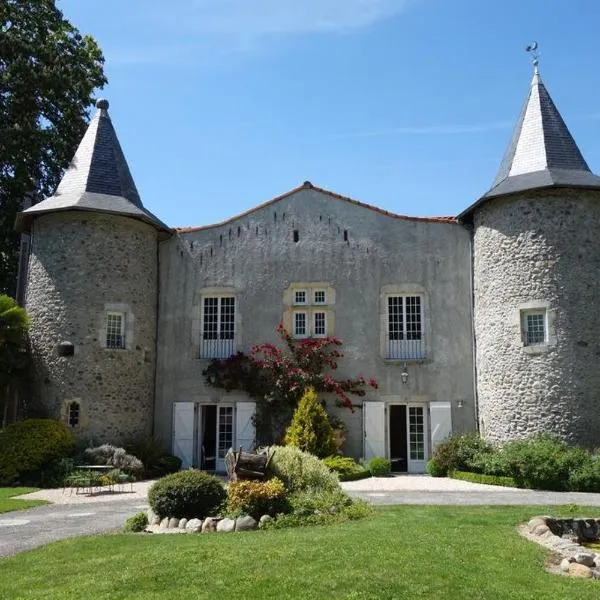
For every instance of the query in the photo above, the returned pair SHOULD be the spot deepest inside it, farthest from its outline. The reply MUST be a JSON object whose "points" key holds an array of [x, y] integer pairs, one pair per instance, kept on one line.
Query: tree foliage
{"points": [[310, 429], [277, 378], [48, 72]]}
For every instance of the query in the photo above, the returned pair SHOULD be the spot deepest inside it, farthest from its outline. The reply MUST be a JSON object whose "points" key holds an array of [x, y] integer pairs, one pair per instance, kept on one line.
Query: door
{"points": [[224, 435], [207, 428], [417, 438], [244, 427], [398, 438], [183, 432], [373, 429]]}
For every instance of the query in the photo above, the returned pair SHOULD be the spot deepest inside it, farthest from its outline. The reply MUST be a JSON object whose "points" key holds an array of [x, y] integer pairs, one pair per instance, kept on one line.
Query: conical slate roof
{"points": [[542, 152], [98, 179]]}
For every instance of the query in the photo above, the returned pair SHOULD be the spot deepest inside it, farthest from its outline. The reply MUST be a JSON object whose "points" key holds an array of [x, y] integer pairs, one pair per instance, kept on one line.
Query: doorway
{"points": [[216, 435], [407, 438]]}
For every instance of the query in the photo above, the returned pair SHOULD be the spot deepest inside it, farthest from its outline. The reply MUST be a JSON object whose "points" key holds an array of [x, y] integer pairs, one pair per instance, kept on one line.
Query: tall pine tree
{"points": [[48, 72]]}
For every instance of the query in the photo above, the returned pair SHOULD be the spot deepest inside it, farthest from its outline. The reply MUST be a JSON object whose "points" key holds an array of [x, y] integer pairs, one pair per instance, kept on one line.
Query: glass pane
{"points": [[416, 432], [114, 331], [395, 325], [534, 325], [413, 317], [227, 318], [225, 429], [211, 312]]}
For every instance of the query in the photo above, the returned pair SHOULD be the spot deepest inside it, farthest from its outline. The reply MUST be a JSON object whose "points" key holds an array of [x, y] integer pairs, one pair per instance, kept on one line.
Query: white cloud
{"points": [[197, 28]]}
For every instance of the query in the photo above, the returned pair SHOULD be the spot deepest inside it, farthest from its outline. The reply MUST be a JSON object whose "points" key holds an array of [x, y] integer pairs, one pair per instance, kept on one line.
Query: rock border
{"points": [[564, 537], [206, 525]]}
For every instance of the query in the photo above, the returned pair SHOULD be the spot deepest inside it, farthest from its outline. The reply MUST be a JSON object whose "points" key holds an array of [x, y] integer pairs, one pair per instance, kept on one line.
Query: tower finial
{"points": [[535, 56]]}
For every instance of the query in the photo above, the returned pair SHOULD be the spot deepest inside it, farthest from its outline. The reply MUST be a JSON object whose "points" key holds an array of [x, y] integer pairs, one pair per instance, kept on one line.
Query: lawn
{"points": [[8, 504], [403, 552]]}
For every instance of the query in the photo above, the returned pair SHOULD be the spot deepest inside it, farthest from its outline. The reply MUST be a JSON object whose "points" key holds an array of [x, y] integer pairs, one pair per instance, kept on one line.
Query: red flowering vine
{"points": [[280, 375]]}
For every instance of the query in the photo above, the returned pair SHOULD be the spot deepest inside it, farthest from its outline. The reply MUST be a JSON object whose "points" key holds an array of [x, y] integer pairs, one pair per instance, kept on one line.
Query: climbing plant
{"points": [[277, 377]]}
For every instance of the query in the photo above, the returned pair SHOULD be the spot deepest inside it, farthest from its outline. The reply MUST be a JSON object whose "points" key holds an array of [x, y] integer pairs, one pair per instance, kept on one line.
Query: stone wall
{"points": [[539, 249], [81, 265]]}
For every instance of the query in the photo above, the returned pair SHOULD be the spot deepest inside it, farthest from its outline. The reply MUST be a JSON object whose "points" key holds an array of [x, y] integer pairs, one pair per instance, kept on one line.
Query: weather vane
{"points": [[533, 51]]}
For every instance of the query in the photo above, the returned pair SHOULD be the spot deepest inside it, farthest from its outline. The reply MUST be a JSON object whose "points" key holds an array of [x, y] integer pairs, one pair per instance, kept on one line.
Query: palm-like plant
{"points": [[14, 324]]}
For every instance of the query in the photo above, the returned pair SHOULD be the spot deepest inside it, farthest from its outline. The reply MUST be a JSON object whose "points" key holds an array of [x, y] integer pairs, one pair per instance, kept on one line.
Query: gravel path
{"points": [[73, 514]]}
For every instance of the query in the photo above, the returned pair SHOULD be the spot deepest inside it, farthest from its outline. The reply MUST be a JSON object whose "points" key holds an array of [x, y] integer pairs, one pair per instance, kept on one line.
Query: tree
{"points": [[14, 324], [278, 377], [48, 72], [310, 430]]}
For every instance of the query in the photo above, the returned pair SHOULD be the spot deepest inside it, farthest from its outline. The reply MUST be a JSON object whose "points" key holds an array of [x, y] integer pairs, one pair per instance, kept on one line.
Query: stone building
{"points": [[486, 319]]}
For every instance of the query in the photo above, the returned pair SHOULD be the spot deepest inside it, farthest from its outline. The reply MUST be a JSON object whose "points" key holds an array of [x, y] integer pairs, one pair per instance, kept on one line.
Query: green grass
{"points": [[403, 552], [9, 504]]}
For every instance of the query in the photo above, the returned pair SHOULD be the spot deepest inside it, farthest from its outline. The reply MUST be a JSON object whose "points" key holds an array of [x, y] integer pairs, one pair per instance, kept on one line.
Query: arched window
{"points": [[73, 414]]}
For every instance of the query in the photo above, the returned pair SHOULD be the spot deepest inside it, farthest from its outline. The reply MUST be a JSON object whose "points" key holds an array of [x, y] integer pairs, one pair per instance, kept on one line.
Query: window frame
{"points": [[319, 302], [296, 302], [528, 330], [314, 324], [225, 331], [123, 330], [295, 333]]}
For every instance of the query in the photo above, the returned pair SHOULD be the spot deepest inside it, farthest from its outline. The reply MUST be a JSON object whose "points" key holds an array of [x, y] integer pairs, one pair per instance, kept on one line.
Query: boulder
{"points": [[226, 526], [577, 570], [535, 522], [565, 563], [182, 523], [164, 524], [540, 529], [153, 518], [245, 523], [585, 558], [194, 525], [173, 523], [264, 519], [209, 525]]}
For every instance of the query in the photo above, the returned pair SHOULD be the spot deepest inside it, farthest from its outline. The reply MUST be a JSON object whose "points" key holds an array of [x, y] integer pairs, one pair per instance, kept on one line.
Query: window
{"points": [[300, 324], [73, 414], [534, 327], [416, 432], [320, 296], [115, 330], [225, 430], [218, 327], [405, 327], [300, 297], [320, 324]]}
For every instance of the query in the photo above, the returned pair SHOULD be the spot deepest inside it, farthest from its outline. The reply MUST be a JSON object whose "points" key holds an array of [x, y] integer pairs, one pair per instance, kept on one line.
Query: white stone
{"points": [[182, 523], [245, 523], [173, 523], [226, 526], [194, 525]]}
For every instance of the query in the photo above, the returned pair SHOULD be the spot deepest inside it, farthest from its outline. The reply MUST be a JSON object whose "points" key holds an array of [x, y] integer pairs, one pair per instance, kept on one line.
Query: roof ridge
{"points": [[309, 185]]}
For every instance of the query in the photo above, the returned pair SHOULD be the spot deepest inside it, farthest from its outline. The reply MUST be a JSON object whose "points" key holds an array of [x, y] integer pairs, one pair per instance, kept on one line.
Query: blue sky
{"points": [[405, 104]]}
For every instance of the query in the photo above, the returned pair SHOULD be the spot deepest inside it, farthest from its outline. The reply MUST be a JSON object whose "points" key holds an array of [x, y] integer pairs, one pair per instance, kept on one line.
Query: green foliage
{"points": [[586, 478], [49, 72], [189, 494], [137, 523], [320, 507], [457, 453], [257, 498], [347, 468], [156, 461], [28, 447], [300, 471], [310, 430], [379, 466], [481, 478], [107, 454], [435, 468]]}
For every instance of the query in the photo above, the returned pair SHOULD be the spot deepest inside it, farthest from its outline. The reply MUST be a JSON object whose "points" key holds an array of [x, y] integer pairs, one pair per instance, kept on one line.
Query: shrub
{"points": [[458, 452], [481, 478], [107, 454], [186, 494], [543, 462], [310, 430], [151, 452], [137, 523], [29, 447], [300, 471], [586, 478], [380, 467], [325, 501], [346, 468], [257, 498], [435, 468]]}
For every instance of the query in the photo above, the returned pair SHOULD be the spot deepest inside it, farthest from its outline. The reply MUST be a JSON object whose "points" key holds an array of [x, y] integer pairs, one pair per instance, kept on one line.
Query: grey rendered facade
{"points": [[487, 319]]}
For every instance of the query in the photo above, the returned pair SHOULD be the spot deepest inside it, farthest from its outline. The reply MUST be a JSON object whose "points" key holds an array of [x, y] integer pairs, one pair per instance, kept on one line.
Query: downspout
{"points": [[473, 340]]}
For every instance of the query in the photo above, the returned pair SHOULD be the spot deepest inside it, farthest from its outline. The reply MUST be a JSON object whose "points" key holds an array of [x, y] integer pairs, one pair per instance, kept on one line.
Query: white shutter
{"points": [[244, 427], [183, 432], [374, 429], [441, 422]]}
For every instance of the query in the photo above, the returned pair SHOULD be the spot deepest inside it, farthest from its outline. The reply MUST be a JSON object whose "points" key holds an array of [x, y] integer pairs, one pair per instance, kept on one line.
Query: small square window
{"points": [[300, 324], [534, 327], [320, 296], [320, 324], [115, 330], [73, 414], [300, 297]]}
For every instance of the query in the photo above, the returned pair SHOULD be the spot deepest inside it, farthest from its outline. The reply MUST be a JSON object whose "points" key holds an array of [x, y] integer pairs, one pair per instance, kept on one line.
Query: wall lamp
{"points": [[404, 374]]}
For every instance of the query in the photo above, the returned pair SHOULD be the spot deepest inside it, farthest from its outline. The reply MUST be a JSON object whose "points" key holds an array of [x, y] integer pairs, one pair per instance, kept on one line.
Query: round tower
{"points": [[536, 253], [91, 293]]}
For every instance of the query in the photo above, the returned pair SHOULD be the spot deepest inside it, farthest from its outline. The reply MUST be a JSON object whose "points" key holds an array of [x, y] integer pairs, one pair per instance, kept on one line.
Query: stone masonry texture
{"points": [[80, 263], [538, 247]]}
